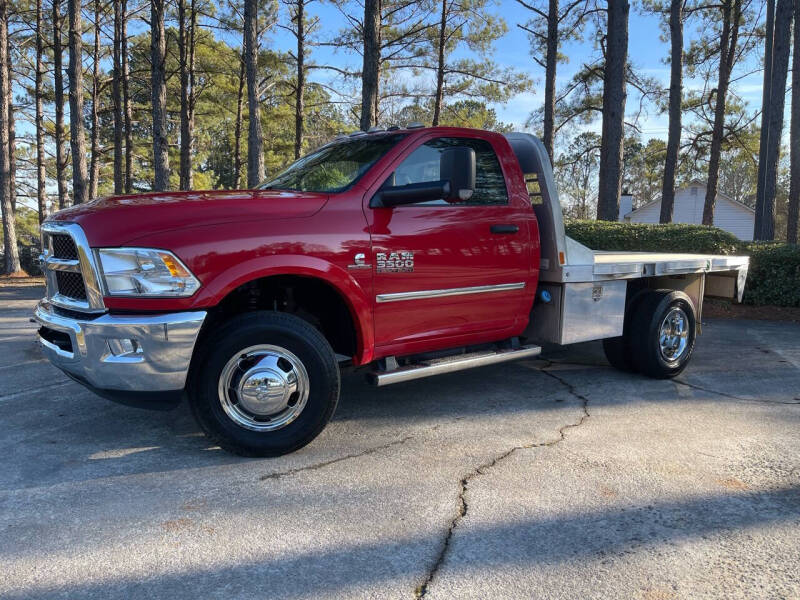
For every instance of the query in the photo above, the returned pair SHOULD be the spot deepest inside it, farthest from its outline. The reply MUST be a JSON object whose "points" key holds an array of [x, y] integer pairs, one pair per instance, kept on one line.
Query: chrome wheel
{"points": [[673, 337], [263, 388]]}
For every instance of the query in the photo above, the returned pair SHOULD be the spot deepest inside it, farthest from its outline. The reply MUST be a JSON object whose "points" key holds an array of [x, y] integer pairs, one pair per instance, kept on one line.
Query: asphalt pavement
{"points": [[546, 478]]}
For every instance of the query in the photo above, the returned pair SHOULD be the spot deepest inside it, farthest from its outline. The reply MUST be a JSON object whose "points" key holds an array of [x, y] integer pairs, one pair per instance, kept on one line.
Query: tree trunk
{"points": [[765, 212], [77, 137], [731, 14], [41, 183], [766, 106], [437, 102], [192, 95], [614, 96], [116, 96], [10, 250], [675, 99], [183, 66], [186, 60], [94, 167], [255, 140], [126, 101], [299, 108], [12, 137], [370, 72], [158, 80], [551, 66], [58, 84], [237, 137], [794, 136]]}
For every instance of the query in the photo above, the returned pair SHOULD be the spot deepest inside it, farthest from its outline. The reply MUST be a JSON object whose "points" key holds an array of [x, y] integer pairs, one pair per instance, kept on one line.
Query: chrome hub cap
{"points": [[263, 388], [674, 335]]}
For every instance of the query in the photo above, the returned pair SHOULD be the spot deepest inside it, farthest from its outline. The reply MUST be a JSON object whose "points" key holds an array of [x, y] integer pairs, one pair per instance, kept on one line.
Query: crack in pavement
{"points": [[462, 507], [732, 397], [323, 464]]}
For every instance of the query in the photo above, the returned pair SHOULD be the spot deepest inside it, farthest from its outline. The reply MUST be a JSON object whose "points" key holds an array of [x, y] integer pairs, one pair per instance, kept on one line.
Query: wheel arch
{"points": [[252, 285]]}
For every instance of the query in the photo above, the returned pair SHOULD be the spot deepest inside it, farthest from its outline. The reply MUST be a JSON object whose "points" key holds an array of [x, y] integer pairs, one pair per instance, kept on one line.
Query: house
{"points": [[730, 215]]}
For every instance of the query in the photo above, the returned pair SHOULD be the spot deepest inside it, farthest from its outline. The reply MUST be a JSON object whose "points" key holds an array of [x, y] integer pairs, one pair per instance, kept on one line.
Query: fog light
{"points": [[121, 347]]}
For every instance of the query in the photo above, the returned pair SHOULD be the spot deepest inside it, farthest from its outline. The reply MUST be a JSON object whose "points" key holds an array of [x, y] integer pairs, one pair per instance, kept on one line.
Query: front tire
{"points": [[264, 384], [663, 331]]}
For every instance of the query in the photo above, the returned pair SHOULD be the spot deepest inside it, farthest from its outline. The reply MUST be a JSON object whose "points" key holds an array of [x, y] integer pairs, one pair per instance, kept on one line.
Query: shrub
{"points": [[675, 237], [774, 275]]}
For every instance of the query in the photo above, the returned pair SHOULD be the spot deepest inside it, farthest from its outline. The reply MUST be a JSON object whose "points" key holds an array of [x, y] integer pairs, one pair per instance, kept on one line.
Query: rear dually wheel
{"points": [[663, 331]]}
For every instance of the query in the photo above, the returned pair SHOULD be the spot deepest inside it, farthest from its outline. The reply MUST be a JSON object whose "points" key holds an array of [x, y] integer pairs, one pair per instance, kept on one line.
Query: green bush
{"points": [[675, 237], [774, 275]]}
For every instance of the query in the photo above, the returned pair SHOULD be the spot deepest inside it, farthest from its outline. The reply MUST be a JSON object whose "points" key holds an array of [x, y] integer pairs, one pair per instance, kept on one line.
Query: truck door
{"points": [[455, 273]]}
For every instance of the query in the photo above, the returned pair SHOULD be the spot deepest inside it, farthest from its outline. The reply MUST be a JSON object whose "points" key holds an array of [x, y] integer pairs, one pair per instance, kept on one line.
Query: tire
{"points": [[264, 384], [660, 311], [618, 350], [618, 353]]}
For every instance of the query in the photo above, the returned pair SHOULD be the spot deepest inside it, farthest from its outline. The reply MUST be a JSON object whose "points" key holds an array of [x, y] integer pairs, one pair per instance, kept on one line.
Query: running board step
{"points": [[450, 364]]}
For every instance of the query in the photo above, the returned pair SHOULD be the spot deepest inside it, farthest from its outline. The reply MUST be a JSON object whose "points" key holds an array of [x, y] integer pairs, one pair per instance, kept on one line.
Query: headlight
{"points": [[145, 272]]}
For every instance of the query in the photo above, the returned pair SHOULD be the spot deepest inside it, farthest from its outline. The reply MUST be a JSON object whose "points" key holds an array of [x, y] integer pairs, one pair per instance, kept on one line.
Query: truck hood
{"points": [[116, 220]]}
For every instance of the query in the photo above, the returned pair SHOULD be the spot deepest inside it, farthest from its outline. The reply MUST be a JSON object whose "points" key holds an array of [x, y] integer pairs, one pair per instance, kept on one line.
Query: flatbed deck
{"points": [[581, 264]]}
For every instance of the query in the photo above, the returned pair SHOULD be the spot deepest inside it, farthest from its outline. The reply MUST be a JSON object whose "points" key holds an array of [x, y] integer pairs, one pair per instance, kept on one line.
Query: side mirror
{"points": [[457, 166], [410, 194], [456, 182]]}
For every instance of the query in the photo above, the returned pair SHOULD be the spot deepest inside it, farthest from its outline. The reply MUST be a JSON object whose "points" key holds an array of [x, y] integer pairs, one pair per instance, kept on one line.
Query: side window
{"points": [[422, 165]]}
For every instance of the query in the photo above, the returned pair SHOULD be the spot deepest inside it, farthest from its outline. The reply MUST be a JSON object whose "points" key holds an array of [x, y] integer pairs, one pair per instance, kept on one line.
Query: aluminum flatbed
{"points": [[583, 293]]}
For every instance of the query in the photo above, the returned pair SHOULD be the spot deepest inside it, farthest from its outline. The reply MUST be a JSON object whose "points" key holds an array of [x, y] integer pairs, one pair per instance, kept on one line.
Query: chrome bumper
{"points": [[148, 353]]}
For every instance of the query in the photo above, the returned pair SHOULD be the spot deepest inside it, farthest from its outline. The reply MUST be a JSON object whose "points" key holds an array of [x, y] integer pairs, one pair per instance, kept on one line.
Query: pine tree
{"points": [[470, 25], [10, 250], [80, 187], [58, 83], [778, 36], [794, 137], [255, 139], [158, 52], [41, 174], [550, 26], [731, 21], [614, 96]]}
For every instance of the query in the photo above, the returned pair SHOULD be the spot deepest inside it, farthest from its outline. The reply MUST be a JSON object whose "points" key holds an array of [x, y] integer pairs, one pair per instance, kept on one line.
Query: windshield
{"points": [[333, 168]]}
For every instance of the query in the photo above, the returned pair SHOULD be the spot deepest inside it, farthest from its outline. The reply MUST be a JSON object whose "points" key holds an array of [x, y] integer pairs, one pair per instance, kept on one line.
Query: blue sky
{"points": [[646, 50]]}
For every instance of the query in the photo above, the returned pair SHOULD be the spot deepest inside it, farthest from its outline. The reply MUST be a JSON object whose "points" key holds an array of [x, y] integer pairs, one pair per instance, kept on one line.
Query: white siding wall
{"points": [[688, 208], [734, 218], [649, 213]]}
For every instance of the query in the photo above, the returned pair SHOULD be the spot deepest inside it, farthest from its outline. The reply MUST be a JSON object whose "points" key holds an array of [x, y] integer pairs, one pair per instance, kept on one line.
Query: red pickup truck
{"points": [[408, 251]]}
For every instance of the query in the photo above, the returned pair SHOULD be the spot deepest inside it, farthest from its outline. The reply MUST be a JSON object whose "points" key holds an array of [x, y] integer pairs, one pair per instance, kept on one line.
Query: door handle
{"points": [[504, 228]]}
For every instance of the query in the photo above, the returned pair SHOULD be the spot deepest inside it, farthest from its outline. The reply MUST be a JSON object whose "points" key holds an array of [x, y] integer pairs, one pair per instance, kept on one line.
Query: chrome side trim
{"points": [[425, 294], [450, 365], [85, 264]]}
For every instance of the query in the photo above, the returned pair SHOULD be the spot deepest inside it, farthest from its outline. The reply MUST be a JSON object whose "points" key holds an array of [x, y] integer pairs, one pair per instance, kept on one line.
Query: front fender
{"points": [[353, 294]]}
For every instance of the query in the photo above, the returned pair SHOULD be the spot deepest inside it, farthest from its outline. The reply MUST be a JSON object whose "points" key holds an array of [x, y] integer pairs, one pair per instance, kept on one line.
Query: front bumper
{"points": [[123, 355]]}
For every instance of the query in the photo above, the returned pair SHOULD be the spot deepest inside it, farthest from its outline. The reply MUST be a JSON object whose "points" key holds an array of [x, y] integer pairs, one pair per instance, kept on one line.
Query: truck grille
{"points": [[64, 246], [72, 280], [71, 285]]}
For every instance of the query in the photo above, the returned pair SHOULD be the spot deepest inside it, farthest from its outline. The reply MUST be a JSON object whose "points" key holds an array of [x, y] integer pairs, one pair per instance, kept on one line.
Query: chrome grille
{"points": [[64, 247], [69, 265], [71, 285]]}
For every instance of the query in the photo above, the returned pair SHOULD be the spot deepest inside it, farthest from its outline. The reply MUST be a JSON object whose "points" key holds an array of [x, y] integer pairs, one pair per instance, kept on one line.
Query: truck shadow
{"points": [[568, 537]]}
